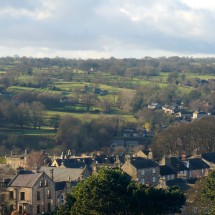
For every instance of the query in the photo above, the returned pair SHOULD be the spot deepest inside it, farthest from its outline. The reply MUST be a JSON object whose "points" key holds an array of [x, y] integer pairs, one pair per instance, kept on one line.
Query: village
{"points": [[37, 183]]}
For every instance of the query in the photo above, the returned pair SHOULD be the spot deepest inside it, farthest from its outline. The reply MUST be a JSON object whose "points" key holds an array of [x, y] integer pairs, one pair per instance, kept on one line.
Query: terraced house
{"points": [[145, 171]]}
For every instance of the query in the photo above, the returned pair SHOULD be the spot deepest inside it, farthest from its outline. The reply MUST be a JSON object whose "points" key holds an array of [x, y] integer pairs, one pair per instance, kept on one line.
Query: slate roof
{"points": [[63, 174], [25, 180], [70, 163], [141, 163], [22, 171], [197, 163], [178, 182], [103, 159], [60, 185], [166, 170], [74, 164], [146, 152], [85, 160], [210, 157], [177, 164]]}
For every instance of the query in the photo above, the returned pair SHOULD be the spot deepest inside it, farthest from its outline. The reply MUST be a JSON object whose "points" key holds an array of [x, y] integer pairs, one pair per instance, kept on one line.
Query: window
{"points": [[195, 210], [41, 183], [61, 199], [38, 195], [38, 209], [142, 180], [46, 183], [153, 179], [142, 172], [49, 194], [49, 207], [20, 209], [11, 195], [11, 208], [22, 196], [153, 170]]}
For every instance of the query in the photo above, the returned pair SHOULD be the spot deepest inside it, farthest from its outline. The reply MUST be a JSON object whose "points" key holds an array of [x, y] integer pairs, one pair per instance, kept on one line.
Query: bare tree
{"points": [[37, 159], [37, 114], [125, 99]]}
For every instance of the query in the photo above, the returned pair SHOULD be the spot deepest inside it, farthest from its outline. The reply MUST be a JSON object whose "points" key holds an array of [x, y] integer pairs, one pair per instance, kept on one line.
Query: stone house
{"points": [[186, 168], [133, 133], [167, 173], [125, 144], [199, 114], [104, 161], [154, 106], [143, 170], [175, 163], [33, 193], [16, 161], [64, 179], [61, 190], [197, 167], [209, 158], [170, 109], [3, 197], [147, 154]]}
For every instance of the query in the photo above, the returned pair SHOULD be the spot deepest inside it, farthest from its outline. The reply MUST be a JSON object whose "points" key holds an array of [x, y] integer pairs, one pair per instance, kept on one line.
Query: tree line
{"points": [[22, 114], [186, 138], [82, 136], [139, 67]]}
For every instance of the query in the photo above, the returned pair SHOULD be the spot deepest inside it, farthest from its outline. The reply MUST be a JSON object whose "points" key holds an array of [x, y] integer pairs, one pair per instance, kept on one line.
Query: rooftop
{"points": [[141, 163]]}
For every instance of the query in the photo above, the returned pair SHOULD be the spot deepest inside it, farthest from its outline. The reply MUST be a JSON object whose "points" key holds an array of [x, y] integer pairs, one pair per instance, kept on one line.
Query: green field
{"points": [[90, 116], [73, 87], [17, 89], [205, 77]]}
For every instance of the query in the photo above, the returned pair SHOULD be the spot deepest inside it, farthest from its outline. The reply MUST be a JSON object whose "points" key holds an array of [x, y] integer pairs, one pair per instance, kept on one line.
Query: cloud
{"points": [[123, 28], [199, 4]]}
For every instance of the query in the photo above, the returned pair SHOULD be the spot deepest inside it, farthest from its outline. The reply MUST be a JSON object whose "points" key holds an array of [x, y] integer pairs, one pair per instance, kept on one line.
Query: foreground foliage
{"points": [[113, 192], [208, 194], [201, 198]]}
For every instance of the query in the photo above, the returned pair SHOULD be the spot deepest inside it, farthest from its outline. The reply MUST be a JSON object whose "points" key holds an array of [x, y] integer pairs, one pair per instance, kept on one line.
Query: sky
{"points": [[107, 28]]}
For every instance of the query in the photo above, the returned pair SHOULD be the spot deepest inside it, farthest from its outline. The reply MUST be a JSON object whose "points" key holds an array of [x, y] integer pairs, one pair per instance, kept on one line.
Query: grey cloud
{"points": [[98, 24]]}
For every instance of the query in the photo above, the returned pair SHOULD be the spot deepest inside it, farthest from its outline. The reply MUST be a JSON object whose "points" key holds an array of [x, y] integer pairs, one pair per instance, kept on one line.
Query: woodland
{"points": [[57, 103]]}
